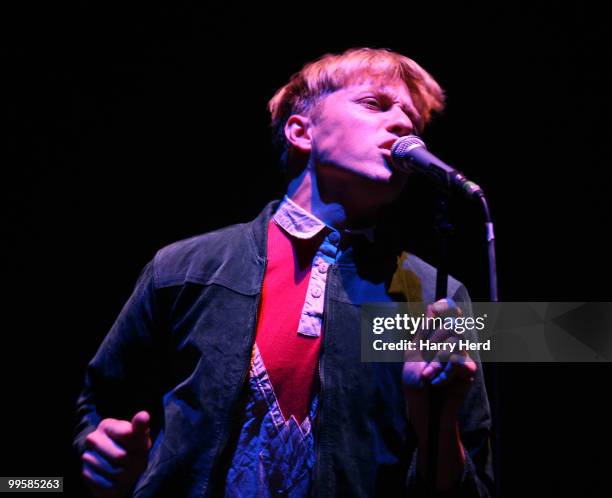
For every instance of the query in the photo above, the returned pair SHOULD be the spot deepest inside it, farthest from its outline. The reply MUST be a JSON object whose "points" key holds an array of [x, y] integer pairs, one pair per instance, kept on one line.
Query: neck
{"points": [[339, 208]]}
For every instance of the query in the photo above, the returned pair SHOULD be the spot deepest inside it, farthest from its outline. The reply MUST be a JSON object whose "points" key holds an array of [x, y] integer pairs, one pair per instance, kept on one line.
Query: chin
{"points": [[384, 176], [372, 176]]}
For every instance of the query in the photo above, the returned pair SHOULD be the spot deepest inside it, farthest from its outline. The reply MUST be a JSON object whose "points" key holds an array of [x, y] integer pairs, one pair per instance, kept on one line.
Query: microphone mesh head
{"points": [[404, 145]]}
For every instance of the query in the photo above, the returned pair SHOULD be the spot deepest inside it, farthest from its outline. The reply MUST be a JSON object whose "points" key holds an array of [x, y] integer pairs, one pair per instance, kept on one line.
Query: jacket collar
{"points": [[258, 229]]}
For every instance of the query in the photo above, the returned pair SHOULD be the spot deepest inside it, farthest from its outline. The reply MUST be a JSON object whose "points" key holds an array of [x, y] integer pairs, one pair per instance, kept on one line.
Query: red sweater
{"points": [[290, 358]]}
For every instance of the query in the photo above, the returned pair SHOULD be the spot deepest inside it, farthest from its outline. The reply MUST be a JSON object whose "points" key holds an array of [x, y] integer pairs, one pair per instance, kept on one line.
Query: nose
{"points": [[399, 123]]}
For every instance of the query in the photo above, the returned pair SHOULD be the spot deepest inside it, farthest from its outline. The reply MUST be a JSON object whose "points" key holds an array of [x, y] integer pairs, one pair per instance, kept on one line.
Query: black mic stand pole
{"points": [[444, 230], [494, 367]]}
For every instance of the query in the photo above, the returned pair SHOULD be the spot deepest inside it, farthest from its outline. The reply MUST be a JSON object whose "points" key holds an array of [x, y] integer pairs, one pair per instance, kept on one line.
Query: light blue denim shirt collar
{"points": [[296, 221]]}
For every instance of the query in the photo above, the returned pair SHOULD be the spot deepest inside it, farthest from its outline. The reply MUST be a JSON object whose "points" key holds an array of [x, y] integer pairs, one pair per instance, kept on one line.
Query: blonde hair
{"points": [[331, 72]]}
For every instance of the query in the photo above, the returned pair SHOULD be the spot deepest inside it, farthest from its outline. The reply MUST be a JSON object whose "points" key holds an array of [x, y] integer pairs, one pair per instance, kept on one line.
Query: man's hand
{"points": [[116, 455], [449, 373]]}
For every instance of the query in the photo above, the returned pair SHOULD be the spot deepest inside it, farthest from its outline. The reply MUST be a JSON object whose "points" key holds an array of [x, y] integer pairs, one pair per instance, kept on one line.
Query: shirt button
{"points": [[316, 292], [334, 237], [323, 267]]}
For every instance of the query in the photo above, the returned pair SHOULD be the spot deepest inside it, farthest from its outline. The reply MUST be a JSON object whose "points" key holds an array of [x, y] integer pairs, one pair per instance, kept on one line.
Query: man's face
{"points": [[354, 129]]}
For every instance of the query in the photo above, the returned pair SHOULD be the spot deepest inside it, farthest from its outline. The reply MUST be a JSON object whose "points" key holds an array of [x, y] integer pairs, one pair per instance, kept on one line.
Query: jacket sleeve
{"points": [[475, 427], [122, 378]]}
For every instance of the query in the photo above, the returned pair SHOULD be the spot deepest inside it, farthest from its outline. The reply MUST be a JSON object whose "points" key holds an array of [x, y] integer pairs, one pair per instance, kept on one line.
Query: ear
{"points": [[298, 132]]}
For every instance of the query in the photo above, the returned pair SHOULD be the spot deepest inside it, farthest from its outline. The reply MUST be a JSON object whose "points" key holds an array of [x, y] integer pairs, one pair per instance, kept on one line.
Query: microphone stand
{"points": [[444, 230], [493, 367]]}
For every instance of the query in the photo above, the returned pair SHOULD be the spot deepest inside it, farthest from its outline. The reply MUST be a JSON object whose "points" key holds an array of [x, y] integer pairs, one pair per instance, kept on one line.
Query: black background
{"points": [[128, 127]]}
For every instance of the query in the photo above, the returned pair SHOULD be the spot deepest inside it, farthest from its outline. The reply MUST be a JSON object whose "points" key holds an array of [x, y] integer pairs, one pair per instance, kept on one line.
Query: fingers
{"points": [[118, 430], [442, 311], [141, 430], [447, 367], [412, 374], [100, 486], [100, 475], [113, 438], [443, 307], [102, 467], [140, 422], [432, 369], [100, 441], [131, 436]]}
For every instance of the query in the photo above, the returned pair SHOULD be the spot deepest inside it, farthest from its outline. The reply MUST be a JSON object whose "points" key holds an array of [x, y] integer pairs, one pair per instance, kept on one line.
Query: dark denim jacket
{"points": [[181, 348]]}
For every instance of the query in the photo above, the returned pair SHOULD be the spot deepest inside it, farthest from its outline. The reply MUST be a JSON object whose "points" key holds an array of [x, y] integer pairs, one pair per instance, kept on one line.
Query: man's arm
{"points": [[112, 432], [456, 384]]}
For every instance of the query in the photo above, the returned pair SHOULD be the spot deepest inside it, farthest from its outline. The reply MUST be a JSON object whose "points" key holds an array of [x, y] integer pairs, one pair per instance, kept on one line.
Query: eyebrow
{"points": [[408, 108]]}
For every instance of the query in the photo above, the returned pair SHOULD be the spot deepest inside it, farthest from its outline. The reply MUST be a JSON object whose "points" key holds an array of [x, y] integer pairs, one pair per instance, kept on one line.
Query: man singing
{"points": [[235, 369]]}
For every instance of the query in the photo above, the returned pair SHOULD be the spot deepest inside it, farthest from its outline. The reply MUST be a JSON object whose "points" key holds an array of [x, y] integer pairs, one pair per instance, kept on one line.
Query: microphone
{"points": [[410, 154]]}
